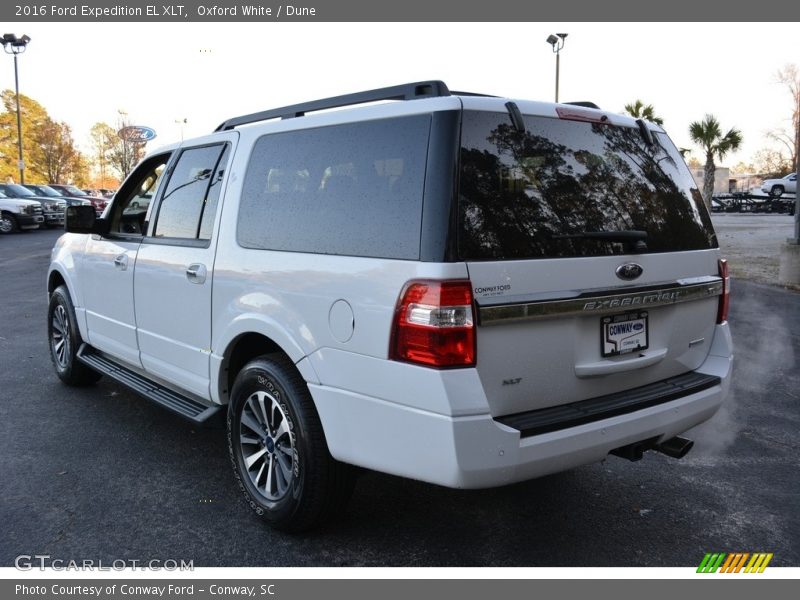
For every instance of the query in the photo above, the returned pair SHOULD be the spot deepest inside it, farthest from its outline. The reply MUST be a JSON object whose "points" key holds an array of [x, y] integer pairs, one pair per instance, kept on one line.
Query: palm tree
{"points": [[640, 110], [708, 135]]}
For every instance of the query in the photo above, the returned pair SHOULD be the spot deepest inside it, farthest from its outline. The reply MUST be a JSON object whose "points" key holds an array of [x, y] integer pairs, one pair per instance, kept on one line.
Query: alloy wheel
{"points": [[59, 339], [267, 445]]}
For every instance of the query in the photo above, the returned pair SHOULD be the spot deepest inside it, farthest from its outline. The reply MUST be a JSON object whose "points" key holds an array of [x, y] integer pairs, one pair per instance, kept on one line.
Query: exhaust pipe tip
{"points": [[676, 447]]}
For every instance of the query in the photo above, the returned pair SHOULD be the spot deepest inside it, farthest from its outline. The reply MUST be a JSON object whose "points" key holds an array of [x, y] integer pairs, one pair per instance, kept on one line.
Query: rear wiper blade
{"points": [[631, 235], [633, 238]]}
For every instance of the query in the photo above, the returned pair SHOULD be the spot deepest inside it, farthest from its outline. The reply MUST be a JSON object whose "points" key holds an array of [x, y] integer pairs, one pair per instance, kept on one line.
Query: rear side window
{"points": [[533, 194], [353, 189], [189, 203]]}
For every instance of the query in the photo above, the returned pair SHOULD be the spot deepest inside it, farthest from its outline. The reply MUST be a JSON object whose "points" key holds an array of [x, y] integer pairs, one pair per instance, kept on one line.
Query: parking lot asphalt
{"points": [[99, 473]]}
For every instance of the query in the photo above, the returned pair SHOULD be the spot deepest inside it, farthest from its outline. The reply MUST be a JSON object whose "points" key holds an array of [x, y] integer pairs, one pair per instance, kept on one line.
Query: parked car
{"points": [[52, 208], [45, 190], [19, 214], [460, 289], [777, 187], [70, 190]]}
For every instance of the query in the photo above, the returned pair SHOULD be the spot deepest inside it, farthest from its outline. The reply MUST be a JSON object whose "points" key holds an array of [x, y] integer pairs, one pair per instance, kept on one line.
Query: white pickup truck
{"points": [[16, 214]]}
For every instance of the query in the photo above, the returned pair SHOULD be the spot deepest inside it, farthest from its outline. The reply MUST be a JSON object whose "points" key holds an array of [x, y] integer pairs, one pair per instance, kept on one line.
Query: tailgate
{"points": [[541, 342], [593, 262]]}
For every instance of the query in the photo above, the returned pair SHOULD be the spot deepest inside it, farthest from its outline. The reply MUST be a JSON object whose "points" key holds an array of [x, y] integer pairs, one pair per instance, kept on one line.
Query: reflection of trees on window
{"points": [[212, 198], [182, 210], [518, 190], [200, 175]]}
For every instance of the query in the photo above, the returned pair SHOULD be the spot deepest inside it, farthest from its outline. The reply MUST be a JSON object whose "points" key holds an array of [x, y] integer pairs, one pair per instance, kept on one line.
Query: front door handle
{"points": [[121, 262], [196, 273]]}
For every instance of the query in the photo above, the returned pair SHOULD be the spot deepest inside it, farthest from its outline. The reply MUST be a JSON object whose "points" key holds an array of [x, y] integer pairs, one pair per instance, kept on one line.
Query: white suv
{"points": [[460, 289], [777, 187]]}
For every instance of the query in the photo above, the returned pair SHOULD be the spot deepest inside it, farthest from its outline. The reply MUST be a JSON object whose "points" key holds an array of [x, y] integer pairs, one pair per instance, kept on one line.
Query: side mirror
{"points": [[82, 219]]}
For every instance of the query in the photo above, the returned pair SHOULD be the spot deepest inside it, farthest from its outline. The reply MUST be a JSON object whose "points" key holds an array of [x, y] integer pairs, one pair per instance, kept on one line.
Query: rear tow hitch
{"points": [[676, 447]]}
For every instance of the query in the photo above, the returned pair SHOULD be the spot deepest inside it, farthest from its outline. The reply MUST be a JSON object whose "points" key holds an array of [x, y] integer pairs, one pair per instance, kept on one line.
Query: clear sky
{"points": [[159, 73]]}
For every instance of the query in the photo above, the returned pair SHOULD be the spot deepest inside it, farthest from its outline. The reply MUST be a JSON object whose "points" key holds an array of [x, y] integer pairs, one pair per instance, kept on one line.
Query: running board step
{"points": [[165, 397]]}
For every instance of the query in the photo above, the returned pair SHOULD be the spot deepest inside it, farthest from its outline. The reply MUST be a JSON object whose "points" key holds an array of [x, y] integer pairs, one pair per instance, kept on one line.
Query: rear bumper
{"points": [[477, 451]]}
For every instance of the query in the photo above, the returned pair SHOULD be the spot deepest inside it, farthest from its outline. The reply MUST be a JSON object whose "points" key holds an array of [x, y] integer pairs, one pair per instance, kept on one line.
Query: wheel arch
{"points": [[56, 277], [247, 340], [4, 212]]}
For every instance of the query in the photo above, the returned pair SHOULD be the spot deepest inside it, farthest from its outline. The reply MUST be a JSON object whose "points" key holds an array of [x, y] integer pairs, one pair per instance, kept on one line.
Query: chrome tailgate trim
{"points": [[601, 302]]}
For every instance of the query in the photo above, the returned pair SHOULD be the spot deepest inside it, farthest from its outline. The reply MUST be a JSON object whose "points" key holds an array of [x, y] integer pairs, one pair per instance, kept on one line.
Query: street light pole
{"points": [[14, 45], [789, 266], [796, 173], [182, 122], [123, 122], [557, 42], [558, 70], [21, 163]]}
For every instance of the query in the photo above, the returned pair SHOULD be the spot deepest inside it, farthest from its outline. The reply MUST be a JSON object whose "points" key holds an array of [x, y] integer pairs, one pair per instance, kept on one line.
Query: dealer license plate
{"points": [[621, 334]]}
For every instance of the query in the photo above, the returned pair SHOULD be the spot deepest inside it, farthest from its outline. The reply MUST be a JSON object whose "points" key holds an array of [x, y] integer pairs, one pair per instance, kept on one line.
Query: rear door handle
{"points": [[196, 273], [121, 262]]}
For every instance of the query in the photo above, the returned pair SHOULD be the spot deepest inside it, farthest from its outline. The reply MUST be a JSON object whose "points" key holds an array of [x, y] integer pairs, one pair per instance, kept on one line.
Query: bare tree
{"points": [[103, 139], [789, 76], [124, 153], [770, 163]]}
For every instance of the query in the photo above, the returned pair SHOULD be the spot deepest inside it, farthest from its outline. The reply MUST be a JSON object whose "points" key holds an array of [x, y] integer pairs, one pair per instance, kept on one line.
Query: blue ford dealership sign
{"points": [[137, 133]]}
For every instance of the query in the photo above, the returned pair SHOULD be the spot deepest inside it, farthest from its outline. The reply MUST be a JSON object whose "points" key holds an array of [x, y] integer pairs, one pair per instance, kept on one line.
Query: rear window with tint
{"points": [[353, 189], [532, 194]]}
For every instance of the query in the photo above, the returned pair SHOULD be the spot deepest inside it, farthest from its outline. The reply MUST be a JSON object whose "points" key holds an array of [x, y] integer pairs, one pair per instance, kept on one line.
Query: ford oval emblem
{"points": [[629, 271], [137, 133]]}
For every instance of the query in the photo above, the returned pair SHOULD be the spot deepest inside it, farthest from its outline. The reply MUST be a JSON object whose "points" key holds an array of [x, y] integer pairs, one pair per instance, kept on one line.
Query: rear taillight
{"points": [[434, 324], [725, 298]]}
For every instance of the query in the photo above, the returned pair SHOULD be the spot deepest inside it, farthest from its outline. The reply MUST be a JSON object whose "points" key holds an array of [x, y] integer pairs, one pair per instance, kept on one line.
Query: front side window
{"points": [[195, 180], [129, 209]]}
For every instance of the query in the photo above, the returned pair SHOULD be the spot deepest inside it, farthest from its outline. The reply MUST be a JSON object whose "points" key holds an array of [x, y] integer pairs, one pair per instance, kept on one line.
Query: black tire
{"points": [[319, 486], [776, 191], [63, 327], [8, 224]]}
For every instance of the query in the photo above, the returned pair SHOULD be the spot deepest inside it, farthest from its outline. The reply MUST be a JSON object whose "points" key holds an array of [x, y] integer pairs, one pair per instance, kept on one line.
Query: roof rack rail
{"points": [[454, 93], [406, 91], [584, 104]]}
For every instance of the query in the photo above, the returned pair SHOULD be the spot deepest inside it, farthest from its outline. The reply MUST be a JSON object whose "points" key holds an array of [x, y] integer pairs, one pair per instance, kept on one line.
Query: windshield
{"points": [[18, 190], [539, 192], [45, 190], [71, 189]]}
